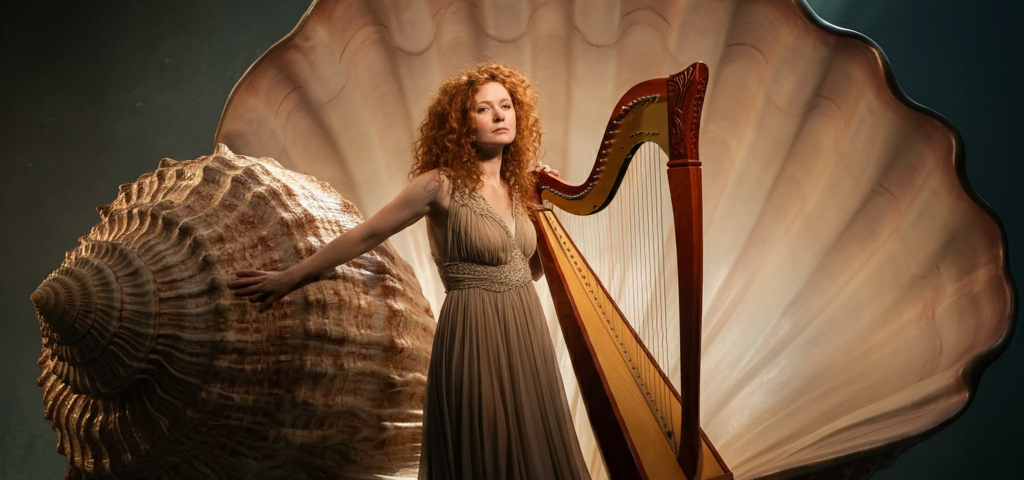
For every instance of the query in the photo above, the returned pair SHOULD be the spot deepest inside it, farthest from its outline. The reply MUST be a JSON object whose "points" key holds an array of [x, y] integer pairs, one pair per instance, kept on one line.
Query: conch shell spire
{"points": [[95, 315]]}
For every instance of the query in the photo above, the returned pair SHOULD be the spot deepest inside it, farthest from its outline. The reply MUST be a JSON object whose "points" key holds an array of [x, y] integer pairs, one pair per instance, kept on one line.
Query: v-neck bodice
{"points": [[493, 213], [487, 204], [481, 250]]}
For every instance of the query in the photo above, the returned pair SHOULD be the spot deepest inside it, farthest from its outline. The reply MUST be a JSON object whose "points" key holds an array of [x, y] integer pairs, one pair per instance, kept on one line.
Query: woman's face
{"points": [[494, 117]]}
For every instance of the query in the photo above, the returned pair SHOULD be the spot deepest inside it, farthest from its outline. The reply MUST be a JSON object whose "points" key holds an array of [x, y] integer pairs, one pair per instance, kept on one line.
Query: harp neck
{"points": [[664, 111]]}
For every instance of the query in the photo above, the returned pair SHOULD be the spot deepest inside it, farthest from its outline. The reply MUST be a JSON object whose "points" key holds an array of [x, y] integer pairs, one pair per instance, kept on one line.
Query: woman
{"points": [[494, 407]]}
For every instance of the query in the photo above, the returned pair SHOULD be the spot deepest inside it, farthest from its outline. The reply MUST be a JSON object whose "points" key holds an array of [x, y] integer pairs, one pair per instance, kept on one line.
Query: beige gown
{"points": [[495, 407]]}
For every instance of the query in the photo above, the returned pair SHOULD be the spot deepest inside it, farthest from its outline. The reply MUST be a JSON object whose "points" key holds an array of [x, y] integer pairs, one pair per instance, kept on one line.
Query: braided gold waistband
{"points": [[496, 278]]}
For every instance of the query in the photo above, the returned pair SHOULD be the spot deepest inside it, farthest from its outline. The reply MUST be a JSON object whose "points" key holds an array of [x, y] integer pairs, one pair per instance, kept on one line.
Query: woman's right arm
{"points": [[411, 204]]}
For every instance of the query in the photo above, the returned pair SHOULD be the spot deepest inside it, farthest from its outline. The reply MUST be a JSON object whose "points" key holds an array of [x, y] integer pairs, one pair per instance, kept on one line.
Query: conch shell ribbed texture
{"points": [[855, 287], [153, 369]]}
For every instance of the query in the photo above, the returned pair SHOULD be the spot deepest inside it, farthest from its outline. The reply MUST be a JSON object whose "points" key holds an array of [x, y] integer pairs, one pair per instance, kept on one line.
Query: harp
{"points": [[646, 424]]}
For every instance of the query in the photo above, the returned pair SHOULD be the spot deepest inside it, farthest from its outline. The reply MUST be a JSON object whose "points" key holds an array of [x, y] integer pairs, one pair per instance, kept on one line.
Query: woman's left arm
{"points": [[536, 268]]}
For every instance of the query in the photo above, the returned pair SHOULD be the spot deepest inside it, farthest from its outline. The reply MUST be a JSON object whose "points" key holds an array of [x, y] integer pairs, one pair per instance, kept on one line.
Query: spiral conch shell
{"points": [[152, 369], [855, 287]]}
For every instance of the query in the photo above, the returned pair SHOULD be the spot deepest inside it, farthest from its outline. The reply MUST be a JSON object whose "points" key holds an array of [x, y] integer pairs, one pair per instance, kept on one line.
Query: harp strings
{"points": [[631, 247]]}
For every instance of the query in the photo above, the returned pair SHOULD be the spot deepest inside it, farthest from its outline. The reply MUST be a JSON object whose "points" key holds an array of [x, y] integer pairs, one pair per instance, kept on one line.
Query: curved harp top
{"points": [[643, 114]]}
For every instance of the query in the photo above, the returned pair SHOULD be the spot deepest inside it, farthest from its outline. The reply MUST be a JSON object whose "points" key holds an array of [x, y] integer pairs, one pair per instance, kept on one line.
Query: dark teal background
{"points": [[94, 94]]}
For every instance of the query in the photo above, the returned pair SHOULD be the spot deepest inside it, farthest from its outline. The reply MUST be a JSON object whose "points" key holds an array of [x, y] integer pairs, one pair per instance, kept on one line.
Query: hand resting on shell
{"points": [[263, 287]]}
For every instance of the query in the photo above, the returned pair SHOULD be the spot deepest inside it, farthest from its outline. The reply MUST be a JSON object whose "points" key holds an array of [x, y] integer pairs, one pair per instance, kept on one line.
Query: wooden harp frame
{"points": [[667, 112]]}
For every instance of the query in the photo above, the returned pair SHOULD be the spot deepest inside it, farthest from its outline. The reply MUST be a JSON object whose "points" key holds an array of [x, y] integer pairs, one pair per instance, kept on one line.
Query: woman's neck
{"points": [[491, 169]]}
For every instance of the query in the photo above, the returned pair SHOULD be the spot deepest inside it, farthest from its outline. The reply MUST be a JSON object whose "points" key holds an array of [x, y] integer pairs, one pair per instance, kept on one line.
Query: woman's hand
{"points": [[542, 168], [262, 287]]}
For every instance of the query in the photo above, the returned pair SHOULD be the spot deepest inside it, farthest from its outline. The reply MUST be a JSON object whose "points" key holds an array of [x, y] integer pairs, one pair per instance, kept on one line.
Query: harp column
{"points": [[685, 101]]}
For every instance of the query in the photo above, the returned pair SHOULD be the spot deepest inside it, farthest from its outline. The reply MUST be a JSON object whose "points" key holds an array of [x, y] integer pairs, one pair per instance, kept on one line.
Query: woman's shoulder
{"points": [[436, 184], [433, 179]]}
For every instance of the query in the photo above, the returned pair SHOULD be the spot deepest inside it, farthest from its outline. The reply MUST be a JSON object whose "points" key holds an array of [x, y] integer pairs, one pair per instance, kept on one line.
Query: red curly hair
{"points": [[446, 136]]}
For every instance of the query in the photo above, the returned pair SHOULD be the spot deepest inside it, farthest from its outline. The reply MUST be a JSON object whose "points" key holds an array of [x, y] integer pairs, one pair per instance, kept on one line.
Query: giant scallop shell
{"points": [[854, 286], [152, 369]]}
